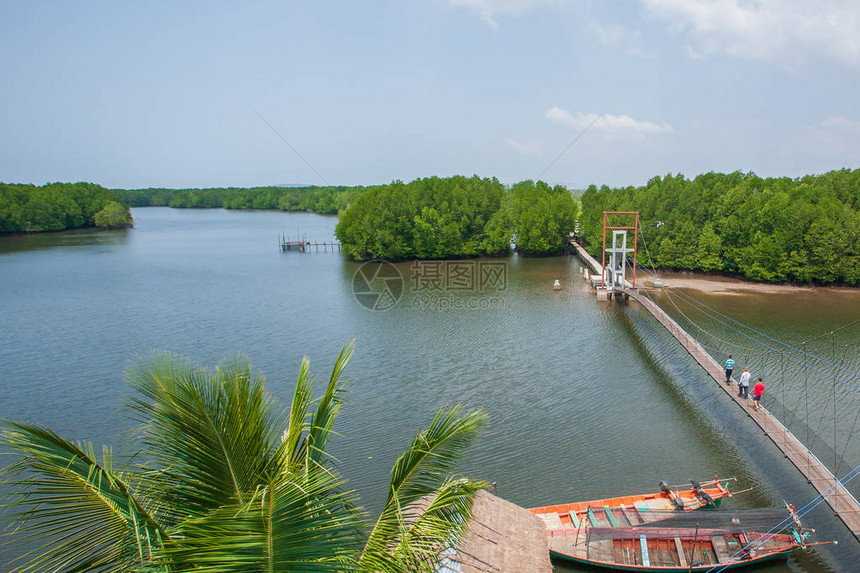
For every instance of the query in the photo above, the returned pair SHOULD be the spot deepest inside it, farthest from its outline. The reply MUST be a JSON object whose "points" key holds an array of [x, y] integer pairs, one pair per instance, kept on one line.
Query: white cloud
{"points": [[488, 18], [619, 36], [613, 34], [836, 133], [524, 147], [833, 141], [488, 9], [788, 32], [618, 125], [691, 53], [841, 124]]}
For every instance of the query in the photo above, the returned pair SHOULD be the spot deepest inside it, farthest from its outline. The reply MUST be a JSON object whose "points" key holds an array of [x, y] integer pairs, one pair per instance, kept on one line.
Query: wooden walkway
{"points": [[844, 505], [305, 246], [593, 264]]}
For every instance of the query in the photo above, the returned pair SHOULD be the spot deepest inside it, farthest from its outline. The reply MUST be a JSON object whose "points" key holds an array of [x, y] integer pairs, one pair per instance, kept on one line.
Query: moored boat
{"points": [[664, 549], [634, 510]]}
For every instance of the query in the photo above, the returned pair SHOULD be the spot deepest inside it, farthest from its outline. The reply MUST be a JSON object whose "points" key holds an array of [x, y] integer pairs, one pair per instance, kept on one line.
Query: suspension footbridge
{"points": [[613, 283]]}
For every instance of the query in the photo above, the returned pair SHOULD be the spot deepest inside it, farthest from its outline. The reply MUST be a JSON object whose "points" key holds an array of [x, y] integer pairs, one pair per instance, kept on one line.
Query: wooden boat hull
{"points": [[701, 569], [669, 549], [631, 510]]}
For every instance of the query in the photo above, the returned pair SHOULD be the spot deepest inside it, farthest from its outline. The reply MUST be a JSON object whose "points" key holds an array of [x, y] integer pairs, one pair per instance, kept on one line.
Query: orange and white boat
{"points": [[634, 510]]}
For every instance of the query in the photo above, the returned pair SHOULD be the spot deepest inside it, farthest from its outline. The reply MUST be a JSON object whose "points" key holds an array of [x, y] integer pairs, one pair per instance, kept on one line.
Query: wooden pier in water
{"points": [[844, 505], [304, 245]]}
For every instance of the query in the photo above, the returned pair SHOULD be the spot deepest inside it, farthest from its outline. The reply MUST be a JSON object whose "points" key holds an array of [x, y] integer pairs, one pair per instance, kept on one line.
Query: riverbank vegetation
{"points": [[224, 479], [764, 229], [60, 206], [434, 218], [804, 230], [323, 200]]}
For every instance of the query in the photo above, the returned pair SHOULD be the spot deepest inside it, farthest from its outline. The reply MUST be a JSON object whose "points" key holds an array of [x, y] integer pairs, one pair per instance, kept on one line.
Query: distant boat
{"points": [[634, 510], [664, 549]]}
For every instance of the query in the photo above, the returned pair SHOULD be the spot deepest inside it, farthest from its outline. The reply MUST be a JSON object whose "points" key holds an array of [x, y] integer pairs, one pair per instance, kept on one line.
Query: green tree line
{"points": [[60, 206], [326, 200], [434, 218], [804, 230]]}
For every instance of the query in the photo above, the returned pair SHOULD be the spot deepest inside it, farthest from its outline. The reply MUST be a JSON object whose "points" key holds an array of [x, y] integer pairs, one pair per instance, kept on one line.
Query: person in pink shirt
{"points": [[758, 390]]}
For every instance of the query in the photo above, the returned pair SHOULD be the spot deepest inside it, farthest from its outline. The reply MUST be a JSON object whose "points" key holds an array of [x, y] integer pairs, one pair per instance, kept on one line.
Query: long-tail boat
{"points": [[634, 510], [669, 549], [661, 548]]}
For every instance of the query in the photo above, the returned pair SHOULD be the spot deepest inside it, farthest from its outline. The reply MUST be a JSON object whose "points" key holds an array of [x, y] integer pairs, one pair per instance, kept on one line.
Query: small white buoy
{"points": [[556, 285]]}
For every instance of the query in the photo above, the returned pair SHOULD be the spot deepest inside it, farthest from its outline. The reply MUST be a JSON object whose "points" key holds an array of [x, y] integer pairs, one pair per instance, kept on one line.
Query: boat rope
{"points": [[812, 504]]}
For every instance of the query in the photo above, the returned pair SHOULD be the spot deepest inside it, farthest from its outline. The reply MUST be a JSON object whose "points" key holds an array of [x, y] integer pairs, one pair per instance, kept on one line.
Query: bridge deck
{"points": [[844, 505]]}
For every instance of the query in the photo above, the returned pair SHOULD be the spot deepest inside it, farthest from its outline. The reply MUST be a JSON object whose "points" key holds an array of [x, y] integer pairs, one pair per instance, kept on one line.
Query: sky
{"points": [[574, 92]]}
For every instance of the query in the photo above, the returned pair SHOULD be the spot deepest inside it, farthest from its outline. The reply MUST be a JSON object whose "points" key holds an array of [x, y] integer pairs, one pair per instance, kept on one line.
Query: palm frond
{"points": [[303, 522], [297, 424], [328, 408], [80, 514], [434, 454], [211, 435], [422, 470], [424, 530]]}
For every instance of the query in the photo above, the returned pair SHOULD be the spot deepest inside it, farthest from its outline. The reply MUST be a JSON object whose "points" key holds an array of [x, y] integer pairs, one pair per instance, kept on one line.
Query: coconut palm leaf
{"points": [[81, 514], [211, 435], [297, 523], [328, 408], [421, 471], [434, 454], [215, 489], [293, 444], [309, 450], [426, 529]]}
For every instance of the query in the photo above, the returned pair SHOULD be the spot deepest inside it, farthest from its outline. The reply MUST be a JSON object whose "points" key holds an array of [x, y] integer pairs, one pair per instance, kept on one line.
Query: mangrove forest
{"points": [[804, 230], [59, 207]]}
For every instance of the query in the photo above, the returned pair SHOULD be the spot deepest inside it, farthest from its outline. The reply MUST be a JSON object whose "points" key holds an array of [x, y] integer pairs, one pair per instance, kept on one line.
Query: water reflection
{"points": [[91, 238]]}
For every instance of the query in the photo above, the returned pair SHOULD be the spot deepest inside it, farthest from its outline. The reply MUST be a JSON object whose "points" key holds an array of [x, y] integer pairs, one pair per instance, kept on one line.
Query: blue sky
{"points": [[172, 93]]}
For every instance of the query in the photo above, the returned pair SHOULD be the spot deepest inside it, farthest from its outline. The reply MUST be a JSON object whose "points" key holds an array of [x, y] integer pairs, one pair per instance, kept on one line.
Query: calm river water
{"points": [[585, 400]]}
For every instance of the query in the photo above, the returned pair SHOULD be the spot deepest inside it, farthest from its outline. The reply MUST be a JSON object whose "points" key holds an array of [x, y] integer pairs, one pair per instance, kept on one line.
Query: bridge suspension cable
{"points": [[693, 302], [809, 506]]}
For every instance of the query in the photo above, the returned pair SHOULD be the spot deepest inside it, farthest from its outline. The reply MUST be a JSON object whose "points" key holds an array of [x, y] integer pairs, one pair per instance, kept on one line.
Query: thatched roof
{"points": [[503, 538]]}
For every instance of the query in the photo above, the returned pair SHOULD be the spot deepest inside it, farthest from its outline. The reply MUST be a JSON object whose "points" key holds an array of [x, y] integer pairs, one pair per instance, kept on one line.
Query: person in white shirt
{"points": [[744, 383]]}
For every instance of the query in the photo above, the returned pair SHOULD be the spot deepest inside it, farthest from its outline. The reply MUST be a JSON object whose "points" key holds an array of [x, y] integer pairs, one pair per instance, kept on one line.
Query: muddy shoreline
{"points": [[731, 286]]}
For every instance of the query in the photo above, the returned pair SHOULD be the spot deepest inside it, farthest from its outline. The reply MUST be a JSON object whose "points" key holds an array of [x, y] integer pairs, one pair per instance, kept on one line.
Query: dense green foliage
{"points": [[773, 229], [225, 479], [59, 206], [113, 216], [540, 216], [327, 200], [458, 216], [426, 219]]}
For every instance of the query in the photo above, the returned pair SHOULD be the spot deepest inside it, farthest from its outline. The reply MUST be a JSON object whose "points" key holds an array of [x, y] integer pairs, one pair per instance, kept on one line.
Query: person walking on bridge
{"points": [[730, 365], [744, 383], [758, 390]]}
